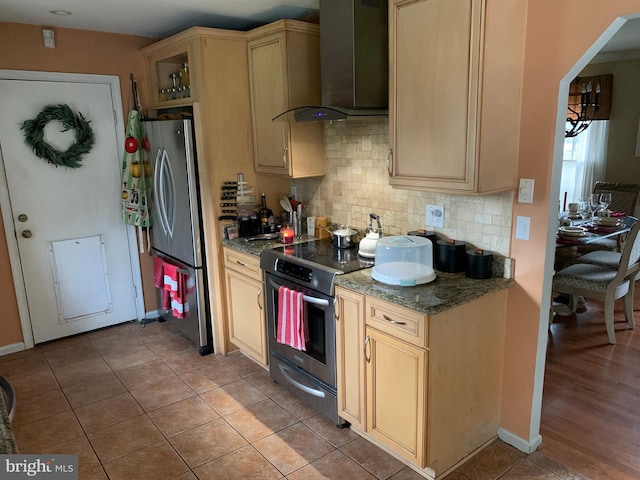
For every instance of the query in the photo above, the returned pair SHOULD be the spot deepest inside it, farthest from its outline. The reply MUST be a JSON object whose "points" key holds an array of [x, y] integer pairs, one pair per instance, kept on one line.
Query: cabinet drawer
{"points": [[240, 262], [402, 323]]}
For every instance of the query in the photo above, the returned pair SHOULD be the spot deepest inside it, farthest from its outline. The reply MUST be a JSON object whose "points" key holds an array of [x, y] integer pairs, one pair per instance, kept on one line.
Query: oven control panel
{"points": [[294, 271]]}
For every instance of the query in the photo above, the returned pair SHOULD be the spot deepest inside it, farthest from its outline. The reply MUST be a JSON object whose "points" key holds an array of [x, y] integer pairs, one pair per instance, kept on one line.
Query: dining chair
{"points": [[606, 283]]}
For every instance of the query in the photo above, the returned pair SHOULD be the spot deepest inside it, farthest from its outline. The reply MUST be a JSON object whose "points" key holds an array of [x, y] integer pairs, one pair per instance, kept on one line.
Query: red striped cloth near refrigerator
{"points": [[292, 319], [175, 285]]}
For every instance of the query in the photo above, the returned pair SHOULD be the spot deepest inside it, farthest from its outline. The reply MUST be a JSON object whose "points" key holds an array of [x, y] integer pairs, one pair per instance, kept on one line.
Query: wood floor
{"points": [[591, 400]]}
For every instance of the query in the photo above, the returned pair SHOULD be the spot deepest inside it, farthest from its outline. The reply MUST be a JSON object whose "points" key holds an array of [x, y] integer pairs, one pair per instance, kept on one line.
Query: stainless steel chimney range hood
{"points": [[354, 59]]}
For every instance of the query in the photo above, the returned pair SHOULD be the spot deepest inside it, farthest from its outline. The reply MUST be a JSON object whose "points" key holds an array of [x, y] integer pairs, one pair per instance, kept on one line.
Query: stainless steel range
{"points": [[309, 268]]}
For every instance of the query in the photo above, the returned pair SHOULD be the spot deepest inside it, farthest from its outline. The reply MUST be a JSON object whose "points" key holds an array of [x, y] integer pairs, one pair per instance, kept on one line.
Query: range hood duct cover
{"points": [[354, 59]]}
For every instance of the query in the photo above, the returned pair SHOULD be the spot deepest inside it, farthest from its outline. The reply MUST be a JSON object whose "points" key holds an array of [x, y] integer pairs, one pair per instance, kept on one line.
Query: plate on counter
{"points": [[608, 222]]}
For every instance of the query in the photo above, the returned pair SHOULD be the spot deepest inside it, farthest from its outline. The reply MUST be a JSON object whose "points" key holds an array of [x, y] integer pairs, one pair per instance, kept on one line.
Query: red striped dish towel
{"points": [[292, 319], [177, 283], [158, 281]]}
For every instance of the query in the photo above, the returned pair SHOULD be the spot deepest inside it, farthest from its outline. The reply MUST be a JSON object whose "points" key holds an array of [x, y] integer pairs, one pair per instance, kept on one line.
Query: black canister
{"points": [[450, 256], [431, 235], [479, 263]]}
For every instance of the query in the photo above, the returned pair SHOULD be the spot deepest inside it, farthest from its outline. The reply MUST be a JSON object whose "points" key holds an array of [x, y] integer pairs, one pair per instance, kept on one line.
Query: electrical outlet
{"points": [[435, 216]]}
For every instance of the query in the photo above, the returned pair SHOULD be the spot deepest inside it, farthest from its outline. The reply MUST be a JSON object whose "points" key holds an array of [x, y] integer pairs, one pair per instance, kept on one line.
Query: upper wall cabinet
{"points": [[455, 86], [284, 73], [171, 71]]}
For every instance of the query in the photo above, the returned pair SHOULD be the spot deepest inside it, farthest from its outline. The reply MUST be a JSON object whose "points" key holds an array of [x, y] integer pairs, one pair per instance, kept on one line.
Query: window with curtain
{"points": [[583, 162]]}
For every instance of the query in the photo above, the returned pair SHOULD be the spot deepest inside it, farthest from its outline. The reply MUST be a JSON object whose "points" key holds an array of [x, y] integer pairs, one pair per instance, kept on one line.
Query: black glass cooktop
{"points": [[324, 253]]}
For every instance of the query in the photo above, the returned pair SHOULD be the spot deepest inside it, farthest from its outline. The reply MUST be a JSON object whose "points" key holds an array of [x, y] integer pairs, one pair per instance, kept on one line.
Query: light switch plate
{"points": [[525, 190], [435, 216], [523, 227]]}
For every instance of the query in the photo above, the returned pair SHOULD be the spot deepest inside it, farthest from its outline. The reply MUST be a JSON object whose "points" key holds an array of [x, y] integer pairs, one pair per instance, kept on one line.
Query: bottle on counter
{"points": [[267, 222]]}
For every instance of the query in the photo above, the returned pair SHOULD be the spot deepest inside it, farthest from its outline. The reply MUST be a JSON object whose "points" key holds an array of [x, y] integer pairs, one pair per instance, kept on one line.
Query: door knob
{"points": [[22, 218], [26, 233]]}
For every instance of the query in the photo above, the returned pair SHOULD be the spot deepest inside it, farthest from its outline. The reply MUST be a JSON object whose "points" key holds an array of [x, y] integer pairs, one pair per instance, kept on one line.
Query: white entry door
{"points": [[75, 253]]}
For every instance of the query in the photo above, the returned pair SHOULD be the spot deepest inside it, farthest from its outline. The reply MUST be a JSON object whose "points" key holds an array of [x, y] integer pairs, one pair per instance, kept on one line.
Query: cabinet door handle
{"points": [[258, 298], [366, 342], [389, 160], [335, 310], [395, 322], [284, 156], [241, 263]]}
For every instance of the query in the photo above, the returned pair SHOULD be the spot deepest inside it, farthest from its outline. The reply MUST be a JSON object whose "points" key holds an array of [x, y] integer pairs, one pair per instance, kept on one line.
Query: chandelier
{"points": [[580, 115]]}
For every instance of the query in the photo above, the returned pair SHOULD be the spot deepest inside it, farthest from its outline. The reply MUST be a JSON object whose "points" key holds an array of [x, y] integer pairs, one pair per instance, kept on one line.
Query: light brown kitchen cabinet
{"points": [[350, 361], [432, 383], [284, 72], [455, 87], [245, 304]]}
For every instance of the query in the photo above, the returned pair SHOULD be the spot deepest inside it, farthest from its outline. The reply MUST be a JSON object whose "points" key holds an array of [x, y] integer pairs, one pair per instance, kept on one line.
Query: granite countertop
{"points": [[447, 291], [7, 440]]}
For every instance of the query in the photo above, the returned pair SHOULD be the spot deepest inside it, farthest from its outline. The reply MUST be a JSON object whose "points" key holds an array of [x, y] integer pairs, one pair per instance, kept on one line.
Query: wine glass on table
{"points": [[605, 200], [594, 204]]}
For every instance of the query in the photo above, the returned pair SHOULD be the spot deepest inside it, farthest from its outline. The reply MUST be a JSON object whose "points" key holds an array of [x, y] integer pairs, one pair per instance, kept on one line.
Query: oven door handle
{"points": [[316, 301], [297, 384]]}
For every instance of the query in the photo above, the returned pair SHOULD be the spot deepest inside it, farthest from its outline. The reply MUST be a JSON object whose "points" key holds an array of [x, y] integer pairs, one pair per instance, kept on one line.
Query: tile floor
{"points": [[139, 403]]}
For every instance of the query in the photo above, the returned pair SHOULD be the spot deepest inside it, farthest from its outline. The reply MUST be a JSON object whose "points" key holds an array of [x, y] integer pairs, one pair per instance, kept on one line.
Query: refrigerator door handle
{"points": [[170, 205], [159, 192]]}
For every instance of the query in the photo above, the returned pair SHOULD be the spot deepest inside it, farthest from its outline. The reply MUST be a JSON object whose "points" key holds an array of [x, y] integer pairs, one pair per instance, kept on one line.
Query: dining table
{"points": [[594, 230]]}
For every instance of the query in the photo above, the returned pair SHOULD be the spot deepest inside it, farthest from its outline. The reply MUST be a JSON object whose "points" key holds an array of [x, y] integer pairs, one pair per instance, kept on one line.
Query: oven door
{"points": [[319, 359]]}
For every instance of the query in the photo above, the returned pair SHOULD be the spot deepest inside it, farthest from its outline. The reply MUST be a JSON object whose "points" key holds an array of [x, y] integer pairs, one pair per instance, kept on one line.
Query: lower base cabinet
{"points": [[425, 387], [245, 300]]}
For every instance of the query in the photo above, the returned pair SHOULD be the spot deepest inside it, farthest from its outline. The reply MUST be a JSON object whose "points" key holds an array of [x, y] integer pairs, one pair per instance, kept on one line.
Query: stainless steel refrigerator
{"points": [[177, 235]]}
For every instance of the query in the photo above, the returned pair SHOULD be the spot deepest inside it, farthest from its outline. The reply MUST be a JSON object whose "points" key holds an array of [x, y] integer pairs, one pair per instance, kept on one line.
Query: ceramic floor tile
{"points": [[233, 397], [335, 465], [40, 406], [71, 354], [157, 462], [121, 328], [125, 437], [241, 364], [408, 474], [24, 366], [183, 415], [78, 372], [78, 446], [329, 431], [260, 420], [529, 470], [145, 375], [186, 476], [103, 413], [293, 447], [263, 382], [154, 332], [210, 377], [241, 464], [187, 361], [39, 436], [162, 394], [207, 442], [92, 472], [170, 345], [93, 389], [551, 465], [36, 384], [294, 405], [125, 357], [21, 354], [374, 460], [108, 343], [453, 476], [491, 462], [63, 342]]}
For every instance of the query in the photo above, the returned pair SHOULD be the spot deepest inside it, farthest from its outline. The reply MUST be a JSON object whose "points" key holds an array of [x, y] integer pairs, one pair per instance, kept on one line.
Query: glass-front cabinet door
{"points": [[170, 72]]}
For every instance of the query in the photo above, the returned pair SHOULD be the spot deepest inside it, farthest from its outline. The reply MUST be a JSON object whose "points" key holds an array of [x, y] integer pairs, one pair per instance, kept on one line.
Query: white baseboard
{"points": [[520, 443], [12, 348]]}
